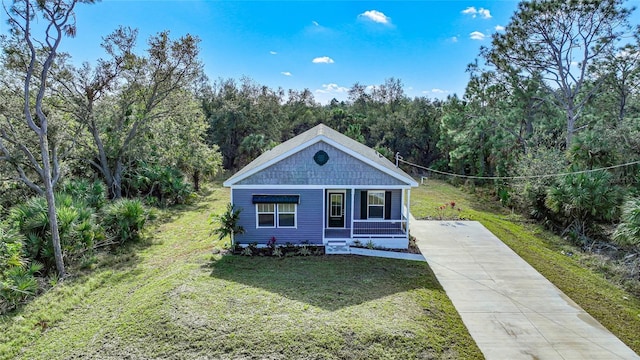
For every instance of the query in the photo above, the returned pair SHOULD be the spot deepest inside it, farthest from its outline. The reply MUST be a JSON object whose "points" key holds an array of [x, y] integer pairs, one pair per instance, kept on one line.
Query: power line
{"points": [[399, 159]]}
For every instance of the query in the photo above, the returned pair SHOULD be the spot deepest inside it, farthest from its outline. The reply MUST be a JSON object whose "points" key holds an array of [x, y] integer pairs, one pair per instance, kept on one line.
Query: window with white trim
{"points": [[266, 214], [285, 213], [375, 204]]}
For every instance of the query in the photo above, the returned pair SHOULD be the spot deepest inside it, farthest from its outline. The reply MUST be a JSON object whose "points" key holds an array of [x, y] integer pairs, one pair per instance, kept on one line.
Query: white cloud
{"points": [[286, 73], [499, 28], [435, 91], [323, 60], [376, 16], [315, 23], [332, 89], [329, 92], [471, 10], [454, 39], [477, 35], [272, 52], [486, 14]]}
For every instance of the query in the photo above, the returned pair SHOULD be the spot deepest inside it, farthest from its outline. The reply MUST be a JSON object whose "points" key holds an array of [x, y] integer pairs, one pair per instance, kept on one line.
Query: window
{"points": [[286, 215], [336, 205], [375, 204], [267, 214]]}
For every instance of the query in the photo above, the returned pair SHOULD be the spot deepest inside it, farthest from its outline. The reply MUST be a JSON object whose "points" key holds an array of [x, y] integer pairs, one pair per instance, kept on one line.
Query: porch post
{"points": [[408, 210], [404, 206], [353, 206], [233, 240]]}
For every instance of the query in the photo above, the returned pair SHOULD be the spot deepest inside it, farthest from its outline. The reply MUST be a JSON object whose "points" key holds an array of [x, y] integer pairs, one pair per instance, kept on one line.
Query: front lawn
{"points": [[173, 299]]}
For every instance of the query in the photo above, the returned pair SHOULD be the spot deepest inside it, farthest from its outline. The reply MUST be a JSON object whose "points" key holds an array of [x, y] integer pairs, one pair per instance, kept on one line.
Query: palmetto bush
{"points": [[94, 194], [76, 222], [158, 184], [124, 219], [17, 275], [628, 231], [581, 201]]}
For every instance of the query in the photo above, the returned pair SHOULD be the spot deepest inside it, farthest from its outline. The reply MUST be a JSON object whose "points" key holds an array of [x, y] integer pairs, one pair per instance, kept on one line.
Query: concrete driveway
{"points": [[511, 311]]}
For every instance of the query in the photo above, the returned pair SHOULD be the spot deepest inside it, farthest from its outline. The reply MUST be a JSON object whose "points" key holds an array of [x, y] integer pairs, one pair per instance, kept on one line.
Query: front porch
{"points": [[367, 215]]}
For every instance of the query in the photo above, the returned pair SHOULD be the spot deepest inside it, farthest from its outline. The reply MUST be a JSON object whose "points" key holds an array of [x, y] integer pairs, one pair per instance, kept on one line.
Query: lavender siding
{"points": [[309, 225], [396, 204]]}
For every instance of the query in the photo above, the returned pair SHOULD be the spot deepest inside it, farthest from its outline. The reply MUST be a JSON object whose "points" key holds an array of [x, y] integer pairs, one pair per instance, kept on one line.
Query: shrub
{"points": [[579, 201], [227, 223], [94, 194], [17, 276], [76, 222], [124, 219], [530, 195], [628, 231], [160, 185]]}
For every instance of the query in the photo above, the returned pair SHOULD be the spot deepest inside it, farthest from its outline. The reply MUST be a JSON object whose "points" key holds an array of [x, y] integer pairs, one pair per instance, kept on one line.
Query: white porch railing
{"points": [[380, 228]]}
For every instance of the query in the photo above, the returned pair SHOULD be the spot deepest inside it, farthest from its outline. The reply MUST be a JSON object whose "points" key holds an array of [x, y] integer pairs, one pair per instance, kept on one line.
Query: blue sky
{"points": [[325, 46]]}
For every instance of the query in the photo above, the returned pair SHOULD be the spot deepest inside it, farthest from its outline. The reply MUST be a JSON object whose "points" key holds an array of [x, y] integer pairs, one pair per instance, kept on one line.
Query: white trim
{"points": [[322, 187], [276, 217], [409, 181], [408, 211], [343, 192], [353, 209]]}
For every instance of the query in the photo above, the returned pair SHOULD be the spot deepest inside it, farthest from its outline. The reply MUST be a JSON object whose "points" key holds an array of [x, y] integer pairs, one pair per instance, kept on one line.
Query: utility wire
{"points": [[524, 177]]}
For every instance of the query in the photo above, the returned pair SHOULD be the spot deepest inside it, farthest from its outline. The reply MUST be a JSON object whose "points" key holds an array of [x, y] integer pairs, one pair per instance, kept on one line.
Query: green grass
{"points": [[174, 299], [614, 308]]}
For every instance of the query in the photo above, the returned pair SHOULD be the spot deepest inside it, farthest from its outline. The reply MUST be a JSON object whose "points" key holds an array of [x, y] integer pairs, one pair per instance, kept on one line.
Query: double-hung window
{"points": [[287, 215], [276, 215], [375, 204], [266, 215]]}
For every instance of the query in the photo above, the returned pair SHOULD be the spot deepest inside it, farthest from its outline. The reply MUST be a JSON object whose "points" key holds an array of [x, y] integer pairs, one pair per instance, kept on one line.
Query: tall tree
{"points": [[59, 21], [237, 111], [560, 40], [620, 71], [134, 92]]}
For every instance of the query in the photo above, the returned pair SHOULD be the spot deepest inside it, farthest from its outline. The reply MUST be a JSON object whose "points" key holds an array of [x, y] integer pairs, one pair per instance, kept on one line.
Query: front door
{"points": [[336, 210]]}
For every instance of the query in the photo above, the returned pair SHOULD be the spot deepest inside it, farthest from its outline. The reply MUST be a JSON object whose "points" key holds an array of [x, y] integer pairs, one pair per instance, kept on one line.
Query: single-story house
{"points": [[322, 188]]}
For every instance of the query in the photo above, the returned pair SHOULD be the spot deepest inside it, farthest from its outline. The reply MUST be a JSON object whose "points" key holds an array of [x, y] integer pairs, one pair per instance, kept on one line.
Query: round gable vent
{"points": [[321, 157]]}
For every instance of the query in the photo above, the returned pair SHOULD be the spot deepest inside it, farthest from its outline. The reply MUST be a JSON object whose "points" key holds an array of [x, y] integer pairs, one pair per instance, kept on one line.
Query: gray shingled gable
{"points": [[310, 137], [342, 169]]}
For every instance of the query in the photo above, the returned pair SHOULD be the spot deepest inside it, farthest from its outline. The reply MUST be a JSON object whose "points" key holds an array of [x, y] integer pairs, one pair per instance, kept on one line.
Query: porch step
{"points": [[336, 247]]}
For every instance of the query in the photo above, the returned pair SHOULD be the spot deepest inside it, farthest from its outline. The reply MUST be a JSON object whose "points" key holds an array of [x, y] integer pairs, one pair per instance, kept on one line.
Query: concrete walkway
{"points": [[511, 311]]}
